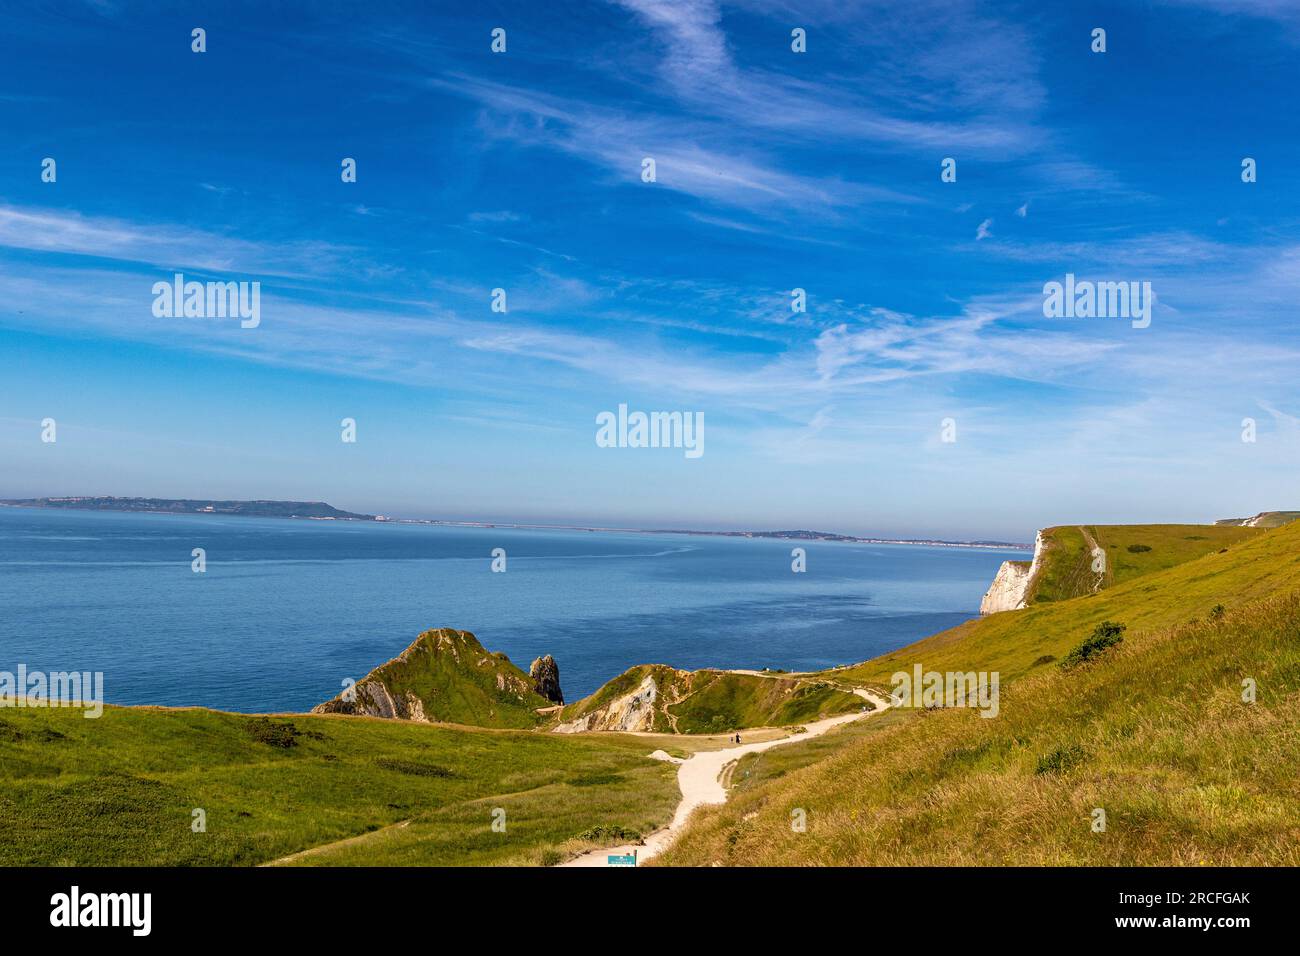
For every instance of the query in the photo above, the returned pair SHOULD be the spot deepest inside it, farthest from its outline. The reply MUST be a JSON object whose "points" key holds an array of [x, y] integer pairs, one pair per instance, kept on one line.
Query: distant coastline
{"points": [[312, 510], [320, 511]]}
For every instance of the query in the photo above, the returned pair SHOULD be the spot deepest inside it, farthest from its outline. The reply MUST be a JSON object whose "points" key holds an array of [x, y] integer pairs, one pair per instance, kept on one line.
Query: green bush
{"points": [[1104, 635], [611, 833], [1138, 548]]}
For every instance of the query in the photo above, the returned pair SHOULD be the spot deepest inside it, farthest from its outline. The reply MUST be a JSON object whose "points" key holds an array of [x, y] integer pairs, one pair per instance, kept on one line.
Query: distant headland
{"points": [[320, 511], [316, 510]]}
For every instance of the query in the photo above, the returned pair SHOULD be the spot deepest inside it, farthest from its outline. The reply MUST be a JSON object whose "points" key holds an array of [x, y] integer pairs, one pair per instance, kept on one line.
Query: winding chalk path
{"points": [[700, 780]]}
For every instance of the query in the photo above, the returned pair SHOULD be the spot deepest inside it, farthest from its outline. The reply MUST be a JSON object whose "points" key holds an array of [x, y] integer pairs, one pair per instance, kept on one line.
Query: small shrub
{"points": [[551, 858], [272, 734], [1216, 612], [1061, 760], [1104, 635], [1045, 659], [1138, 548], [611, 833]]}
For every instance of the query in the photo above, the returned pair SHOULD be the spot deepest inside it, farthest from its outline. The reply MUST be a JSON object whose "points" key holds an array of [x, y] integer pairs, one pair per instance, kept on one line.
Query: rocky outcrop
{"points": [[447, 676], [1010, 588], [634, 711], [546, 678], [371, 698]]}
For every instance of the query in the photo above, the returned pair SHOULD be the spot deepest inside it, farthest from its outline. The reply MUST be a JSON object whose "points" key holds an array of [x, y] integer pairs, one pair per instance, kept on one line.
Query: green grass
{"points": [[1154, 732], [722, 702], [1131, 551], [713, 702], [1170, 545], [1014, 642], [755, 769], [1065, 567], [120, 790], [1269, 519]]}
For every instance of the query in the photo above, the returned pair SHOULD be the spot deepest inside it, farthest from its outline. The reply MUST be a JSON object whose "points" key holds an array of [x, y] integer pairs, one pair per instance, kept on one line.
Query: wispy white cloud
{"points": [[702, 72], [686, 158], [163, 245]]}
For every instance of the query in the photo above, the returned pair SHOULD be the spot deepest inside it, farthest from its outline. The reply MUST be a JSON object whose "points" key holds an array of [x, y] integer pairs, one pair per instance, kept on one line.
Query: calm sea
{"points": [[287, 609]]}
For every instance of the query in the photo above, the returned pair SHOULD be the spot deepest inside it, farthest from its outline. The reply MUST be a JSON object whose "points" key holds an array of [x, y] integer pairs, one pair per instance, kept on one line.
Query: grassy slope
{"points": [[722, 702], [120, 789], [1155, 733], [1067, 559], [753, 770], [1014, 642], [716, 702], [1269, 519], [458, 681]]}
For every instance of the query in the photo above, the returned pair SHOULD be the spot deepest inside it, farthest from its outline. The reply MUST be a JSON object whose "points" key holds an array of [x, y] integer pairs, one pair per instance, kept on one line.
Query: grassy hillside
{"points": [[446, 675], [721, 702], [121, 790], [1154, 732], [708, 702], [1017, 642], [1265, 519], [1131, 551]]}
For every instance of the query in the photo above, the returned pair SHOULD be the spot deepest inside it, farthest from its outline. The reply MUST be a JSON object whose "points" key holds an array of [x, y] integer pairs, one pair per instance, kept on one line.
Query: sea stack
{"points": [[546, 678]]}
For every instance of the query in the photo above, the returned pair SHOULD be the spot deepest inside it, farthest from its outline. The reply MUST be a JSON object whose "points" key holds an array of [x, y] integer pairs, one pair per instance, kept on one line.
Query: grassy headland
{"points": [[1154, 732]]}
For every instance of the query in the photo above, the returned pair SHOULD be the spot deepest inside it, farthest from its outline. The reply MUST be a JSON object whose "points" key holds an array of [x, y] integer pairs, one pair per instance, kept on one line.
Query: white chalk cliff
{"points": [[1010, 587], [634, 711]]}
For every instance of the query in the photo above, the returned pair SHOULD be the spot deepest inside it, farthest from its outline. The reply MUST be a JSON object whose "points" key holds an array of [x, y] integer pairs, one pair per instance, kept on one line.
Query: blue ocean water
{"points": [[287, 609]]}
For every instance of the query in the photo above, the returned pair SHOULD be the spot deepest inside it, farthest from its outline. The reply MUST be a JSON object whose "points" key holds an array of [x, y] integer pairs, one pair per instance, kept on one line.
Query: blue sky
{"points": [[775, 170]]}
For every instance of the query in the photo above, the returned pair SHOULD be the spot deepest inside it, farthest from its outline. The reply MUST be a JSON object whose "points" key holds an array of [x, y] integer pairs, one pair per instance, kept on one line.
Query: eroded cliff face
{"points": [[662, 699], [632, 711], [1010, 588]]}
